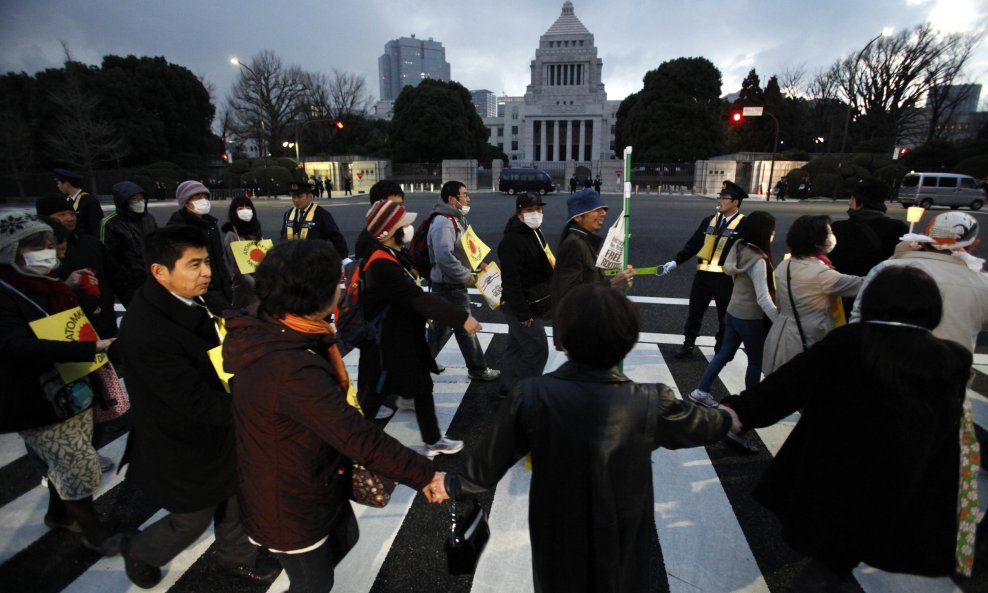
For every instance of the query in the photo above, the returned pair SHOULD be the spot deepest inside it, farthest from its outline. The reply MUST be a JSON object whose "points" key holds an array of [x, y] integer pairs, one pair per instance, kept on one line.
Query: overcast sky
{"points": [[488, 44]]}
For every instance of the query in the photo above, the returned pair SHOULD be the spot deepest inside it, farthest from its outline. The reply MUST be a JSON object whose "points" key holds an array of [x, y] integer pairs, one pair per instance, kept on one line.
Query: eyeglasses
{"points": [[463, 195], [729, 198]]}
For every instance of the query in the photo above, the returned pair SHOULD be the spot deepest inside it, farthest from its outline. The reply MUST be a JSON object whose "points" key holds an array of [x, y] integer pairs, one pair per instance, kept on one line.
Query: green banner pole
{"points": [[627, 218]]}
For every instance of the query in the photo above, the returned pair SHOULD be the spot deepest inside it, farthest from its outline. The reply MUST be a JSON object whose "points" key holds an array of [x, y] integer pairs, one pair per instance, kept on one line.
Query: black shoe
{"points": [[139, 572], [264, 569], [110, 546], [685, 351]]}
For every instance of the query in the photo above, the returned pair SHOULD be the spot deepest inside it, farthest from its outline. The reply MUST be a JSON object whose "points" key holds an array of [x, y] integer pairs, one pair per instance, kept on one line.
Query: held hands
{"points": [[623, 278], [435, 491], [471, 325], [735, 422], [669, 266]]}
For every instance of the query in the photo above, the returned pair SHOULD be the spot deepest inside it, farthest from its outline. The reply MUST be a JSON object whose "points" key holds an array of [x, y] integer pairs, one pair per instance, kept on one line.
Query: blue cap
{"points": [[583, 201]]}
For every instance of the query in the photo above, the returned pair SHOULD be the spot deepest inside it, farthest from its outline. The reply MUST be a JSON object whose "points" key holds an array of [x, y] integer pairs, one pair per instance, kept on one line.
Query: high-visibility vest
{"points": [[714, 244], [306, 223]]}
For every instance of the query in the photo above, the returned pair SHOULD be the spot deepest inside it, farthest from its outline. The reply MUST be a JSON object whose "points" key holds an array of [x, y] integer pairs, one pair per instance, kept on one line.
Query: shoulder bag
{"points": [[795, 312], [369, 488], [467, 538]]}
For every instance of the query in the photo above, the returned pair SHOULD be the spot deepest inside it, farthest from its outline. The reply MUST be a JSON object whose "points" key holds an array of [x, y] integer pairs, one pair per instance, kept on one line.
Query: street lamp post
{"points": [[775, 148], [850, 84], [257, 83]]}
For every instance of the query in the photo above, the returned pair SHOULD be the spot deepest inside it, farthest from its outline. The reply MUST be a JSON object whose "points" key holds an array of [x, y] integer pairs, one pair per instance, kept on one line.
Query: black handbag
{"points": [[467, 538]]}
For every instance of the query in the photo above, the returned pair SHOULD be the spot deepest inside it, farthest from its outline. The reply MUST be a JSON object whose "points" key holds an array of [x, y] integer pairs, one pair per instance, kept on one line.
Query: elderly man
{"points": [[193, 209], [868, 236], [306, 220], [181, 450], [86, 206], [710, 244]]}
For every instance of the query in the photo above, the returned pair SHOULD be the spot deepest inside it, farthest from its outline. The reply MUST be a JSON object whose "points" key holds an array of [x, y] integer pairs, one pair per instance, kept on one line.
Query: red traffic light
{"points": [[339, 124], [224, 156], [736, 117], [904, 152]]}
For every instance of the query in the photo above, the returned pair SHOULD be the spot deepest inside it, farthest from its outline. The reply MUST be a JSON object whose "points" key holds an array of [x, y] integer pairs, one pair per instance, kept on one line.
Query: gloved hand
{"points": [[668, 267]]}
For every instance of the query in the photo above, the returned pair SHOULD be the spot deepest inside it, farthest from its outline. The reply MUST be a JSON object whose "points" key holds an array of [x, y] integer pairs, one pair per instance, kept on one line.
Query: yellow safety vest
{"points": [[306, 223], [78, 200], [714, 244]]}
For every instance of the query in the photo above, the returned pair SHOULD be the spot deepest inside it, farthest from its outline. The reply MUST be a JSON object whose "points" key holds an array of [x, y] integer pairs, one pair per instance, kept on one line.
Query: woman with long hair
{"points": [[243, 225], [752, 301]]}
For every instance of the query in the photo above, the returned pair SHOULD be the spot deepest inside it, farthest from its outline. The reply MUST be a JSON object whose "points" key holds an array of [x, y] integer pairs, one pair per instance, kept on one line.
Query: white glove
{"points": [[346, 261], [668, 267]]}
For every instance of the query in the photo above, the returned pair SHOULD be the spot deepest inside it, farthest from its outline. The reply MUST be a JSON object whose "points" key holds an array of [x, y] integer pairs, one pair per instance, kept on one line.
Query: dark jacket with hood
{"points": [[123, 234], [591, 433], [867, 237], [220, 294], [526, 273], [295, 430], [85, 251], [181, 448]]}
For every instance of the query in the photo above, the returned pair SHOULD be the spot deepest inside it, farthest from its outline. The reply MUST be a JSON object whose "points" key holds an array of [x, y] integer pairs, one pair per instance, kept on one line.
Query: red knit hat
{"points": [[385, 217]]}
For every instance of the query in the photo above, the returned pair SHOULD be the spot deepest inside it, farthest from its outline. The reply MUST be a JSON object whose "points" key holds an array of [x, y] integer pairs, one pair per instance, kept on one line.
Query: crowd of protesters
{"points": [[242, 413]]}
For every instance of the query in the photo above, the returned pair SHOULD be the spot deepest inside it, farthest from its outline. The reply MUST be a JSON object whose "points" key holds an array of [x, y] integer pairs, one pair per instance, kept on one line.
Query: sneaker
{"points": [[703, 398], [405, 403], [685, 351], [486, 375], [106, 464], [384, 413], [445, 446]]}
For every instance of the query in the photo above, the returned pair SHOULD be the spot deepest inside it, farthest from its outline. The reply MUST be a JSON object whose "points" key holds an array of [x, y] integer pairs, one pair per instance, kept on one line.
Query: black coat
{"points": [[407, 360], [219, 297], [87, 252], [123, 233], [90, 214], [866, 238], [323, 227], [870, 472], [591, 433], [576, 262], [526, 274], [24, 358], [181, 448]]}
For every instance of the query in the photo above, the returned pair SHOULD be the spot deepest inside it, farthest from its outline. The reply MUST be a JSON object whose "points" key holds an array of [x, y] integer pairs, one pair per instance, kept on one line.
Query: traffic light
{"points": [[736, 117], [224, 157], [339, 124]]}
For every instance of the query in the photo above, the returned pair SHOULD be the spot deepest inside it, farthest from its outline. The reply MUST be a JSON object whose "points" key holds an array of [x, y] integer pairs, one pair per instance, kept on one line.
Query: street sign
{"points": [[752, 111]]}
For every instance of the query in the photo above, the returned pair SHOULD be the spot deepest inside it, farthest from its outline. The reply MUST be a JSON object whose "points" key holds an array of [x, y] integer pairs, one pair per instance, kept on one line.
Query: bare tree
{"points": [[349, 94], [268, 99], [791, 81], [16, 142]]}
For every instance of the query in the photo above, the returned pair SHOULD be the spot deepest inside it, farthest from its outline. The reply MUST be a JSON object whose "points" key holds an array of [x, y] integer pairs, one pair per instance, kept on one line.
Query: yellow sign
{"points": [[250, 254], [69, 326], [475, 249], [216, 357], [550, 256]]}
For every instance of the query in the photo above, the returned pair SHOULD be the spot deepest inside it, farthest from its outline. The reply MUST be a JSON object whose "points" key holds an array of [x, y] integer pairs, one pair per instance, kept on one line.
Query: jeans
{"points": [[736, 331], [309, 572], [439, 334], [526, 353]]}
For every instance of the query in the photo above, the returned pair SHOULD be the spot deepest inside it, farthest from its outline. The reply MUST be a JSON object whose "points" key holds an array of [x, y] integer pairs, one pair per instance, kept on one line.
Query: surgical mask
{"points": [[405, 235], [40, 262], [465, 210], [532, 220], [245, 214], [201, 207], [830, 243], [138, 206]]}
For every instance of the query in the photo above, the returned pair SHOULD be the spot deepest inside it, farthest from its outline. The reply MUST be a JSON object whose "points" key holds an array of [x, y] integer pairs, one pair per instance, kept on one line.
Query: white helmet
{"points": [[953, 230]]}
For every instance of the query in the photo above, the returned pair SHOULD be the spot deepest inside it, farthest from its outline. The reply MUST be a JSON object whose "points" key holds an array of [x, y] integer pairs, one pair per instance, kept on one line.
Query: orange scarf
{"points": [[308, 326]]}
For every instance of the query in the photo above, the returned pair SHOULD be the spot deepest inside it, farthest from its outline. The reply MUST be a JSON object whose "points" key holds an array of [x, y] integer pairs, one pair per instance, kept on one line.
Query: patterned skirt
{"points": [[67, 448]]}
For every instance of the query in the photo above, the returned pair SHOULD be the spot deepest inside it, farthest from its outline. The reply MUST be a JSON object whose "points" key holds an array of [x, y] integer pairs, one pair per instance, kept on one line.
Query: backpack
{"points": [[353, 330], [419, 247]]}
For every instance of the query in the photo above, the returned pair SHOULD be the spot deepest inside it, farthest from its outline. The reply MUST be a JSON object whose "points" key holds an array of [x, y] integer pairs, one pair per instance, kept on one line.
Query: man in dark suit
{"points": [[86, 206], [306, 220]]}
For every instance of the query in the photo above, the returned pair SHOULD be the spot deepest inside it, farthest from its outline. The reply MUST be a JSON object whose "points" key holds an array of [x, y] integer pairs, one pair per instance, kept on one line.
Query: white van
{"points": [[941, 189]]}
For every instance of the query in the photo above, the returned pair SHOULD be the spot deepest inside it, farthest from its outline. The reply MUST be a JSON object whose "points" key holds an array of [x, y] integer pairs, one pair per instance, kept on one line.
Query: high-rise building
{"points": [[407, 61], [485, 102]]}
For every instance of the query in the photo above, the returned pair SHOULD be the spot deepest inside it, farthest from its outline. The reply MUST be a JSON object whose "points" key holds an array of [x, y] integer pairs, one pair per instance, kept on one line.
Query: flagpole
{"points": [[627, 206]]}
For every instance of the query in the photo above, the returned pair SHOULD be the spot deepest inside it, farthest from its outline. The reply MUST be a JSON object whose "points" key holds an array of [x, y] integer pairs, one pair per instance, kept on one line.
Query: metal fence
{"points": [[663, 177]]}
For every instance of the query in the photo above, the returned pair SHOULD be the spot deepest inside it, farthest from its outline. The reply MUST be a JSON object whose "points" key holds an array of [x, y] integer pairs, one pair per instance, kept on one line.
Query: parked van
{"points": [[941, 189], [513, 181]]}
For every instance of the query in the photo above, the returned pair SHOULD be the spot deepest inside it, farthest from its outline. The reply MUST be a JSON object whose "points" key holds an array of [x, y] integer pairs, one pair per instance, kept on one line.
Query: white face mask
{"points": [[245, 214], [201, 207], [532, 220], [405, 234], [464, 210], [138, 206], [830, 243], [40, 262]]}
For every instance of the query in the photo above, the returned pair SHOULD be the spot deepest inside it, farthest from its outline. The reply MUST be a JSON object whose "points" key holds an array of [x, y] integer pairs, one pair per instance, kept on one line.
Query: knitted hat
{"points": [[872, 193], [385, 216], [583, 201], [51, 204], [14, 226], [125, 190], [187, 189]]}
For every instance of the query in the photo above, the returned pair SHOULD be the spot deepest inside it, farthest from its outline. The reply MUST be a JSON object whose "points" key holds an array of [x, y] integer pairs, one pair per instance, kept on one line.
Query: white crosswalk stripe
{"points": [[696, 523]]}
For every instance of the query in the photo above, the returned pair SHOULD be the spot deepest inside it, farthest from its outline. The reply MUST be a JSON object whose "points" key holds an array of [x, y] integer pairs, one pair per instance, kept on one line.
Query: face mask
{"points": [[405, 234], [138, 206], [245, 215], [532, 220], [201, 207], [40, 262], [465, 210], [830, 243]]}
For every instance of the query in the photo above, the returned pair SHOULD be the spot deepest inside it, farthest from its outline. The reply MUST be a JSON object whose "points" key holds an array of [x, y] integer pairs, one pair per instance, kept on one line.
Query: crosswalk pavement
{"points": [[711, 536]]}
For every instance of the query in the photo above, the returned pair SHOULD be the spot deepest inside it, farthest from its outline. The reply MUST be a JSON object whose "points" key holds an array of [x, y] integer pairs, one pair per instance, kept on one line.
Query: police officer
{"points": [[306, 220], [710, 244], [87, 207]]}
